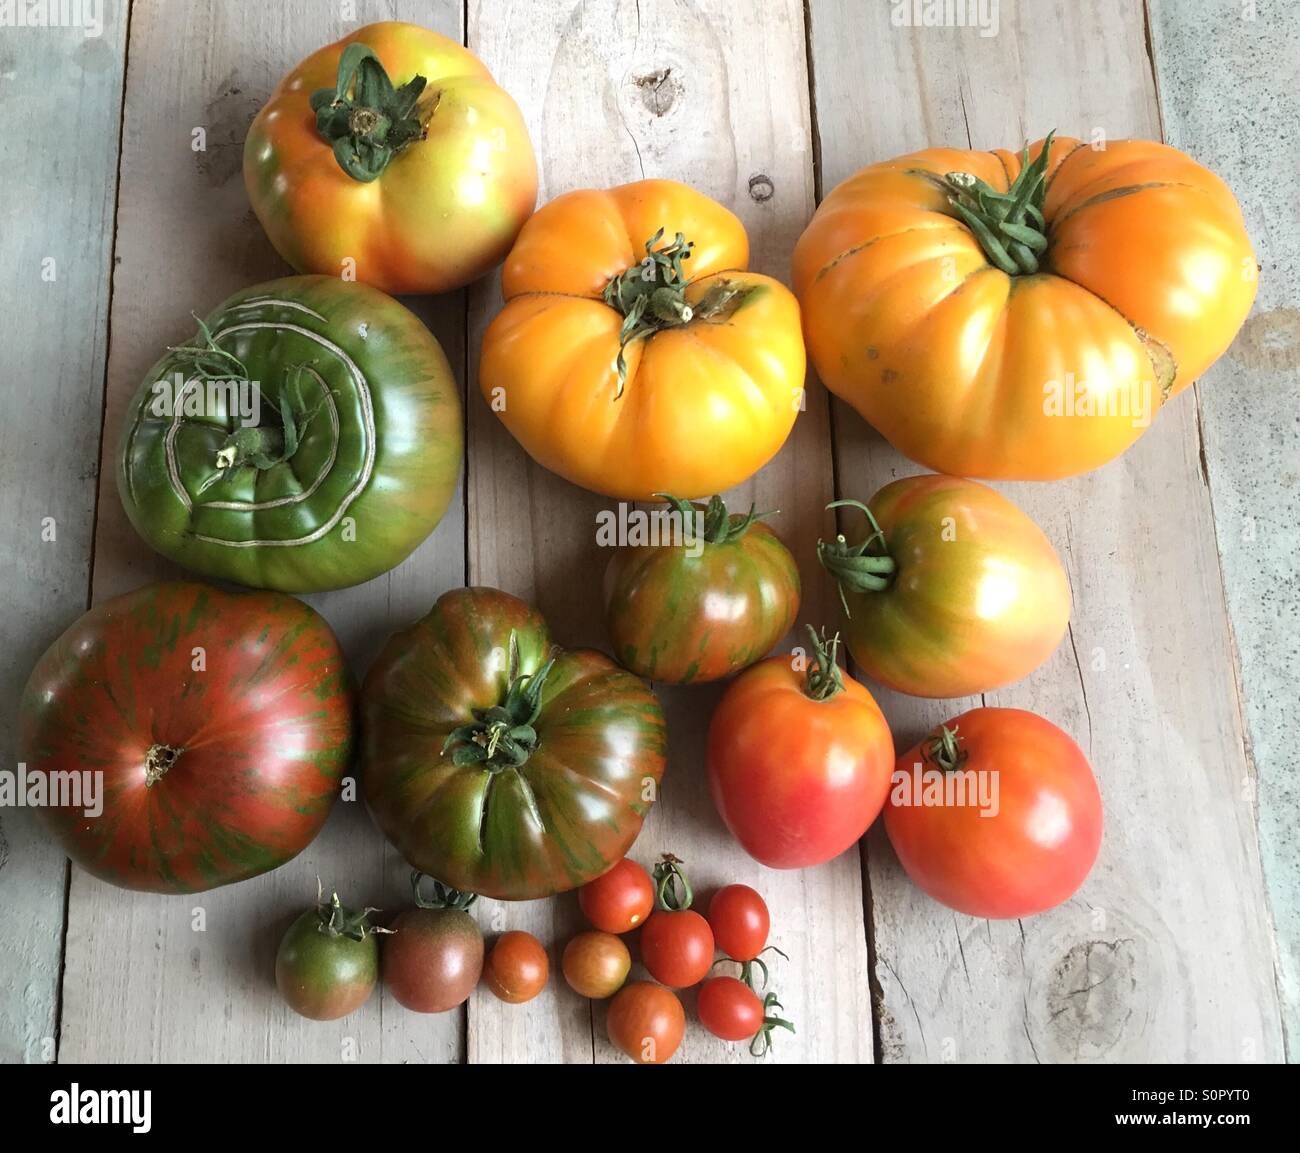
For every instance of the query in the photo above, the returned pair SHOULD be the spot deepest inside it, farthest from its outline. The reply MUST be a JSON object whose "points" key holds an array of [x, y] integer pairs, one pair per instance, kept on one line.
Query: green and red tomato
{"points": [[328, 961], [218, 724], [433, 958], [703, 606], [596, 964], [499, 764]]}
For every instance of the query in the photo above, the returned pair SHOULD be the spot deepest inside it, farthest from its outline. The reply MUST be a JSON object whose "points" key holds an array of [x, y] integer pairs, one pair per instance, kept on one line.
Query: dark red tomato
{"points": [[433, 959], [996, 814], [596, 964], [692, 609], [799, 766], [328, 962], [646, 1022], [730, 1009], [620, 900], [221, 723], [740, 922], [517, 968], [499, 764], [677, 947]]}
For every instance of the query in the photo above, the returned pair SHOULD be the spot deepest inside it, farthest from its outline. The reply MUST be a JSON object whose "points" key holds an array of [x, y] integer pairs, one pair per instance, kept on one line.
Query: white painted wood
{"points": [[1164, 955], [1221, 73], [614, 90], [56, 217], [140, 983]]}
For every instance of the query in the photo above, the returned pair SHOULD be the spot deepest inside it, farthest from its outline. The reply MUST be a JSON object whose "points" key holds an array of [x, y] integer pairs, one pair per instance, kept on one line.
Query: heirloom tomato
{"points": [[700, 608], [394, 155], [221, 723], [596, 964], [954, 591], [995, 814], [517, 967], [635, 354], [798, 765], [1022, 316], [676, 942], [619, 900], [646, 1022], [499, 765], [308, 437], [328, 961], [433, 958]]}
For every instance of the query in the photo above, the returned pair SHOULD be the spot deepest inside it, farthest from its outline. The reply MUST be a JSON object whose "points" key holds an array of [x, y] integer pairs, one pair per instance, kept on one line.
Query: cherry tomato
{"points": [[517, 967], [619, 900], [676, 942], [596, 964], [646, 1022], [730, 1009], [740, 922]]}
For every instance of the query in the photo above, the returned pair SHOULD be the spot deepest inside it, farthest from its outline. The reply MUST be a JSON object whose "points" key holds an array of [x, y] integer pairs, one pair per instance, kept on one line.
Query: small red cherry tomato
{"points": [[740, 922], [619, 900]]}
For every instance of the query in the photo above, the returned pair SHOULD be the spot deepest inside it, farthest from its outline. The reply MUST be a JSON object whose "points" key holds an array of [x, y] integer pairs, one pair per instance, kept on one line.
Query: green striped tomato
{"points": [[705, 607], [499, 765], [221, 724]]}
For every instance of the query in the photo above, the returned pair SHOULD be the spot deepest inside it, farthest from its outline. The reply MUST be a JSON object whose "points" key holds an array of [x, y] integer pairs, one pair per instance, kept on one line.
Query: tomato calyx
{"points": [[364, 118], [1009, 226], [651, 295], [719, 526], [761, 1043], [441, 897], [753, 965], [824, 678], [944, 750], [337, 920], [157, 761], [503, 736], [673, 892], [863, 567]]}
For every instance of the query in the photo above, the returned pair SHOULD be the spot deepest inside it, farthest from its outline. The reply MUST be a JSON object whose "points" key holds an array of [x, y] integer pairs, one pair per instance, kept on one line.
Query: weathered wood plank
{"points": [[1219, 70], [140, 982], [1145, 682], [56, 216], [614, 90]]}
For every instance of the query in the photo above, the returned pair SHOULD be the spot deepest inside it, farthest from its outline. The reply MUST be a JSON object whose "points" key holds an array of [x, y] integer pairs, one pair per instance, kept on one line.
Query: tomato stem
{"points": [[824, 676], [157, 761], [363, 117], [337, 920], [858, 568], [719, 526], [1009, 226], [761, 1043], [442, 897], [944, 749], [673, 892]]}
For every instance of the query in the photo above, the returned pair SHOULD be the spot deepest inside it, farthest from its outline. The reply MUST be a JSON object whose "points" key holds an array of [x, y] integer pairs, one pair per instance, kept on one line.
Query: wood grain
{"points": [[1145, 681], [614, 91], [140, 982], [56, 216]]}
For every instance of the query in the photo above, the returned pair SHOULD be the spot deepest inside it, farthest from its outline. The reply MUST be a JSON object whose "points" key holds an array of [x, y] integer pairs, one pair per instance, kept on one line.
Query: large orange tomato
{"points": [[635, 355], [1022, 317], [954, 592], [392, 152]]}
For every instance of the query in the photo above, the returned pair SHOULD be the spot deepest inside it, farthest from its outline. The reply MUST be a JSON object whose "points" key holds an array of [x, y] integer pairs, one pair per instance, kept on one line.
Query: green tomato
{"points": [[328, 962], [307, 437]]}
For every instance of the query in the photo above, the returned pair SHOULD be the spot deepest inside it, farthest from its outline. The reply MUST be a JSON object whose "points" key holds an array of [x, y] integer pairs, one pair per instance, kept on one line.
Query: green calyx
{"points": [[720, 527], [651, 296], [441, 896], [944, 750], [761, 1043], [824, 676], [337, 920], [1010, 225], [364, 118], [503, 736], [265, 446], [863, 567], [673, 892]]}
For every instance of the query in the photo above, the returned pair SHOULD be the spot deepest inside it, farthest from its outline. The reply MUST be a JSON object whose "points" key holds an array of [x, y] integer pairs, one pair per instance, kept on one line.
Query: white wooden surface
{"points": [[1165, 955]]}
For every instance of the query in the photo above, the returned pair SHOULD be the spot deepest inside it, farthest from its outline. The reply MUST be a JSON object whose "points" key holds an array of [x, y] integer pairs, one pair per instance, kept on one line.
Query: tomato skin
{"points": [[433, 959], [324, 976], [797, 781], [441, 214], [247, 752], [740, 922], [596, 964], [683, 619], [730, 1009], [979, 598], [371, 477], [646, 1022], [1141, 289], [703, 406], [517, 967], [619, 900], [1018, 862], [677, 947], [600, 738]]}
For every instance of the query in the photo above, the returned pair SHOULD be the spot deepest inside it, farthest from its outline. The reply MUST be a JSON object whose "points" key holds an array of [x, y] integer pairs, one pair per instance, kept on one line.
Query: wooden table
{"points": [[124, 209]]}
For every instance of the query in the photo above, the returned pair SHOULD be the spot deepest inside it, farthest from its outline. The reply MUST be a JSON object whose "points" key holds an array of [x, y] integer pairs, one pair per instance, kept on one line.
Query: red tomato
{"points": [[619, 900], [799, 766], [596, 964], [996, 814], [646, 1022], [740, 922], [676, 943], [730, 1009], [517, 968]]}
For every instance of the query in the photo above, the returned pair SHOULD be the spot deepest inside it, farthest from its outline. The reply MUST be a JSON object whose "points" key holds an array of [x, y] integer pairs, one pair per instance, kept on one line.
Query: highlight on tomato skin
{"points": [[996, 813]]}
